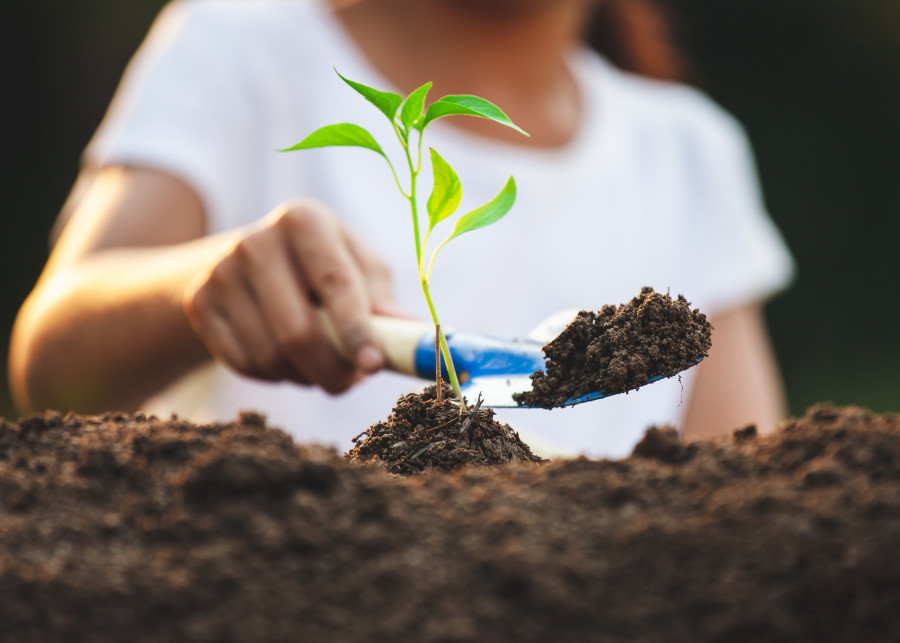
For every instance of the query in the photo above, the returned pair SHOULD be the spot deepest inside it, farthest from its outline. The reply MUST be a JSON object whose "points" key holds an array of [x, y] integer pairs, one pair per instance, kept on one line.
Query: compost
{"points": [[126, 528], [423, 434], [619, 349]]}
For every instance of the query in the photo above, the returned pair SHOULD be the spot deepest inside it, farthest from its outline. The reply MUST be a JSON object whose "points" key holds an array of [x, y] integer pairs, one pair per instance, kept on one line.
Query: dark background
{"points": [[815, 82]]}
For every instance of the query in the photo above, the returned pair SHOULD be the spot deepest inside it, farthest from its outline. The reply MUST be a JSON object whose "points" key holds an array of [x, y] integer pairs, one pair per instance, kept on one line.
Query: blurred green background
{"points": [[815, 82]]}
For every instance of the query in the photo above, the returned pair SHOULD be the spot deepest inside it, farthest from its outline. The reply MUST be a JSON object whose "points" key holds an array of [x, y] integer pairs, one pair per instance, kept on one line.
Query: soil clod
{"points": [[423, 434], [620, 349], [749, 432]]}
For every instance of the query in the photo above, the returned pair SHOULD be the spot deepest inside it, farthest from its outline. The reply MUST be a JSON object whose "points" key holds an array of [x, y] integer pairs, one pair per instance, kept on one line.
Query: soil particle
{"points": [[747, 433], [422, 435], [620, 349], [663, 444], [117, 528]]}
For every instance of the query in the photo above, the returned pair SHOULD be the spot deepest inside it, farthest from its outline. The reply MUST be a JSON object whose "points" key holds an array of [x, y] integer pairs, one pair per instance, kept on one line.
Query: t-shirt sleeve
{"points": [[183, 108], [740, 255]]}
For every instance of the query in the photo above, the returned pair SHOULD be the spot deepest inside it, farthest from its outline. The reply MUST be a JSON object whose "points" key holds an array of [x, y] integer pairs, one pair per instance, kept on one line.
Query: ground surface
{"points": [[619, 349], [121, 528]]}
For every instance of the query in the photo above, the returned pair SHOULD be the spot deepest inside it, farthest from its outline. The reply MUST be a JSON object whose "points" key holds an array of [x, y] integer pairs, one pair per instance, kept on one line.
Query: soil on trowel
{"points": [[422, 434], [619, 349], [126, 528]]}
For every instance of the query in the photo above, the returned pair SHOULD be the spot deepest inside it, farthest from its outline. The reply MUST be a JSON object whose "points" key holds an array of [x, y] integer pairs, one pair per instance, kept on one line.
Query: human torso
{"points": [[595, 220]]}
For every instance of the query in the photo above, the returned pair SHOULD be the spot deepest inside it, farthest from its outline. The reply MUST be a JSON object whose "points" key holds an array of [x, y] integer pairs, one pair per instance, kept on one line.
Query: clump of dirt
{"points": [[422, 434], [121, 527], [620, 349]]}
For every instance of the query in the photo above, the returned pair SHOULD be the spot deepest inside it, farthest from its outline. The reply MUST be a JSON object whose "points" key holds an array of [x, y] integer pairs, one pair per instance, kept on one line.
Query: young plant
{"points": [[409, 117]]}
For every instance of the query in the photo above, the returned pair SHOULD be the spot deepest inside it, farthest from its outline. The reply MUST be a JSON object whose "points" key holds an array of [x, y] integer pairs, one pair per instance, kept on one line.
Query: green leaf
{"points": [[447, 192], [413, 105], [468, 105], [387, 102], [489, 213], [342, 134]]}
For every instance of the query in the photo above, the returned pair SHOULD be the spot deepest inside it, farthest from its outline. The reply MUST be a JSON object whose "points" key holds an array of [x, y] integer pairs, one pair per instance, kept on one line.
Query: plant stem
{"points": [[413, 175], [439, 385], [445, 349], [420, 261]]}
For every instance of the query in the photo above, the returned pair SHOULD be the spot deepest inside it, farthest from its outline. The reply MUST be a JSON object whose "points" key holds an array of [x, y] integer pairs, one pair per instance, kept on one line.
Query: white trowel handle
{"points": [[399, 340]]}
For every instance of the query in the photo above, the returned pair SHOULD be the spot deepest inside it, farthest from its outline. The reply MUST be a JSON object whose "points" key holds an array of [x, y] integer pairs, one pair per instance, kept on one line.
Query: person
{"points": [[190, 258]]}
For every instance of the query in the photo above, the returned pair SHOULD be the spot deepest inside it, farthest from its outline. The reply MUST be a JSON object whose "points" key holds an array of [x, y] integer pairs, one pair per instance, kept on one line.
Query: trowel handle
{"points": [[403, 342], [408, 347], [400, 340]]}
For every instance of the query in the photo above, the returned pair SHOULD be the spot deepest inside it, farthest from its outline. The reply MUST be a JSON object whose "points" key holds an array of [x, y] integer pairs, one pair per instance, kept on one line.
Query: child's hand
{"points": [[254, 307]]}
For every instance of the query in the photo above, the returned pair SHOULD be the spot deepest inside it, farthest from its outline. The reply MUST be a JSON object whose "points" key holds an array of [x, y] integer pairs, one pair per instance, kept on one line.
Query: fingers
{"points": [[334, 278], [282, 296], [255, 307], [224, 315]]}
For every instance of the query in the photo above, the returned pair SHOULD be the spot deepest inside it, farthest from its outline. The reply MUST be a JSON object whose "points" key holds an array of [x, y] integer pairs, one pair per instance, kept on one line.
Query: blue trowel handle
{"points": [[475, 355], [408, 346]]}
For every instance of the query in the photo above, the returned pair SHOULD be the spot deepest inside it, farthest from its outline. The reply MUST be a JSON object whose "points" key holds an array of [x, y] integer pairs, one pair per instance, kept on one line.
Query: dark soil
{"points": [[122, 528], [422, 435], [620, 349]]}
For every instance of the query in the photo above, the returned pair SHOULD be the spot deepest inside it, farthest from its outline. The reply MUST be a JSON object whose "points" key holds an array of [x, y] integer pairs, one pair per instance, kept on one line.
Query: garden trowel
{"points": [[494, 368]]}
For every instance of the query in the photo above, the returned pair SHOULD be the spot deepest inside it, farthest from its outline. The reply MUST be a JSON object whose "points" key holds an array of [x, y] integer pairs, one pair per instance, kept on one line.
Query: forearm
{"points": [[109, 330]]}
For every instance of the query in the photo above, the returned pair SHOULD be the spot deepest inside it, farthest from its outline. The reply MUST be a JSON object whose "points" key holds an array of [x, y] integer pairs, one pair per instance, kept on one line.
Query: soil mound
{"points": [[121, 527], [620, 349], [422, 435]]}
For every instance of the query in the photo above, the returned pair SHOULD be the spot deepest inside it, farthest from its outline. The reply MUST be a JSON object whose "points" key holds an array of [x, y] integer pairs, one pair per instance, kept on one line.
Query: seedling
{"points": [[409, 117]]}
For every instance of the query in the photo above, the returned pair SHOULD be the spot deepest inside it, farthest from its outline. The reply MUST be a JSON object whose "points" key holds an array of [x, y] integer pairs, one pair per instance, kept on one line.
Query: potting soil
{"points": [[619, 349]]}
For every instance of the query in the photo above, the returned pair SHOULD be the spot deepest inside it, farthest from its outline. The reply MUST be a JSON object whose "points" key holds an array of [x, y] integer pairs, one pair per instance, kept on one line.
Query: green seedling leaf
{"points": [[387, 102], [342, 134], [489, 213], [413, 106], [447, 192], [468, 105]]}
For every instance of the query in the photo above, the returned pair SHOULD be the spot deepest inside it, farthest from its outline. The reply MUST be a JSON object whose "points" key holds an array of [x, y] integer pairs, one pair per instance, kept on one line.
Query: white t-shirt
{"points": [[658, 188]]}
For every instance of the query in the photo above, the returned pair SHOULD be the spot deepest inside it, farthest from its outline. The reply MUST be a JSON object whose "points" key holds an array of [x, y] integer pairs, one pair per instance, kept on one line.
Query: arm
{"points": [[739, 383], [134, 295]]}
